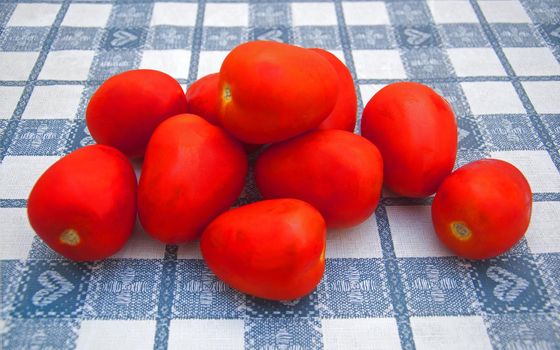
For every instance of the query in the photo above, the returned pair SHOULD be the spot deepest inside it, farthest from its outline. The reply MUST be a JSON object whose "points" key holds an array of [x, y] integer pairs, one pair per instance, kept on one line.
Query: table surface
{"points": [[388, 282]]}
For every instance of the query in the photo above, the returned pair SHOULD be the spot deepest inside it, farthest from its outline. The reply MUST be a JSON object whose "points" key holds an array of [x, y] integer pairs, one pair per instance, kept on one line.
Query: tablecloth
{"points": [[388, 283]]}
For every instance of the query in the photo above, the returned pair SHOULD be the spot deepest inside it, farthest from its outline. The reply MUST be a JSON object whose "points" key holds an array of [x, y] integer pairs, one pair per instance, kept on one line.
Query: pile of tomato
{"points": [[296, 107]]}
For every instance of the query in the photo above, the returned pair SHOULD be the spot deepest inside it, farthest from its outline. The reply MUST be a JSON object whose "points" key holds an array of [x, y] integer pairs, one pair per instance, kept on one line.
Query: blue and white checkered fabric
{"points": [[388, 283]]}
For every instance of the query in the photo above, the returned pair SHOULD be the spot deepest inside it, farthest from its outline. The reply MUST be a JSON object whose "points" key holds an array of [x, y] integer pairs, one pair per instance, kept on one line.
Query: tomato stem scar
{"points": [[460, 230], [226, 93], [70, 237]]}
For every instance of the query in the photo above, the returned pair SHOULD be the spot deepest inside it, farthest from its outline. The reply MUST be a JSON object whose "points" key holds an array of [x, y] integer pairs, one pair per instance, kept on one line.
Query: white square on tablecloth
{"points": [[368, 91], [542, 234], [543, 95], [173, 62], [413, 232], [360, 333], [53, 102], [452, 12], [141, 246], [504, 12], [18, 174], [206, 334], [365, 13], [313, 14], [67, 65], [116, 334], [87, 15], [450, 332], [470, 62], [492, 97], [527, 61], [378, 64], [17, 65], [17, 234], [360, 241], [190, 250], [34, 15], [226, 15], [9, 98], [174, 14], [210, 62], [537, 166]]}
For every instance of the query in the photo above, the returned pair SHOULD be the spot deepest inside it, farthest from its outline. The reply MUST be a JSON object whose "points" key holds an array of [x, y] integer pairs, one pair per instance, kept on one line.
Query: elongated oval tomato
{"points": [[272, 91], [192, 172], [416, 133], [482, 209], [84, 205], [338, 172], [203, 98], [273, 249], [127, 108], [343, 115]]}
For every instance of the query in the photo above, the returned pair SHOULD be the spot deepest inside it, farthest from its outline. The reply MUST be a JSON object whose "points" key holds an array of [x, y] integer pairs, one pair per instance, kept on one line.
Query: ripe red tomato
{"points": [[84, 205], [127, 108], [338, 172], [272, 249], [416, 133], [343, 115], [192, 172], [203, 98], [482, 209], [272, 91]]}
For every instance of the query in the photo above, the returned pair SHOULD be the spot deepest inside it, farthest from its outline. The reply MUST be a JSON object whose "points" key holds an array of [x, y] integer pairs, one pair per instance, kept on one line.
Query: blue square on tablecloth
{"points": [[123, 38], [108, 63], [41, 334], [543, 11], [509, 132], [516, 35], [426, 63], [169, 37], [52, 288], [371, 37], [200, 294], [223, 38], [79, 135], [552, 123], [408, 12], [10, 275], [325, 37], [417, 36], [550, 265], [75, 38], [39, 137], [355, 288], [510, 284], [308, 306], [130, 15], [468, 134], [467, 156], [269, 14], [278, 33], [23, 38], [524, 331], [551, 32], [283, 333], [39, 250], [124, 289], [437, 287], [463, 35]]}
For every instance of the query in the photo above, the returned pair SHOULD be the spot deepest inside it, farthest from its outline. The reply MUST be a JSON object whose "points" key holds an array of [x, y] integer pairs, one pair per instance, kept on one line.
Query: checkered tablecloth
{"points": [[388, 283]]}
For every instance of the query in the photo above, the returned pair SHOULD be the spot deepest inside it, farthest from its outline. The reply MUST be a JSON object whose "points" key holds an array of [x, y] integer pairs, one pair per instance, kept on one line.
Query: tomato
{"points": [[84, 205], [192, 172], [482, 209], [272, 91], [273, 249], [338, 172], [203, 98], [127, 108], [416, 133], [343, 115]]}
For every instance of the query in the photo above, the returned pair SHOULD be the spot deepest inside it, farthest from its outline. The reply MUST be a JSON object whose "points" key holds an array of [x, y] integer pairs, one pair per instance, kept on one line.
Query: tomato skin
{"points": [[273, 249], [343, 115], [192, 172], [127, 108], [488, 202], [91, 191], [203, 98], [416, 133], [272, 91], [338, 172]]}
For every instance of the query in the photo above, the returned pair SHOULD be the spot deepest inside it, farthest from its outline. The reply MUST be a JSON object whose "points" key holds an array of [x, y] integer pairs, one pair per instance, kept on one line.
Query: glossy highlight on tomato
{"points": [[482, 209], [273, 249], [84, 205]]}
